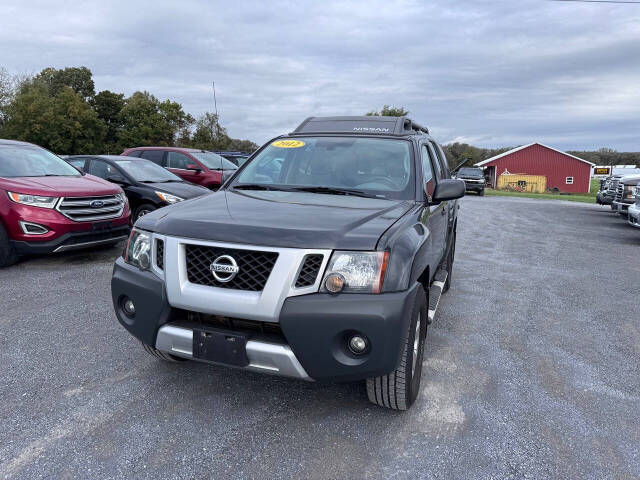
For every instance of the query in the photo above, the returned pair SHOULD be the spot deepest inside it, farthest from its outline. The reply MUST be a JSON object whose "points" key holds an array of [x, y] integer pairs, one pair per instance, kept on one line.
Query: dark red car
{"points": [[196, 166], [46, 205]]}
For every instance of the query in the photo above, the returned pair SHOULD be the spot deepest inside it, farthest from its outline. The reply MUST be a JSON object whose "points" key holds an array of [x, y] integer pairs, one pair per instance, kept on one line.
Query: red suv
{"points": [[46, 205], [196, 166]]}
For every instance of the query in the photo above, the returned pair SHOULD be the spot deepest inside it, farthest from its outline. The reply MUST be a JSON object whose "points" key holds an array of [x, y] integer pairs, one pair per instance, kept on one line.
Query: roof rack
{"points": [[364, 124]]}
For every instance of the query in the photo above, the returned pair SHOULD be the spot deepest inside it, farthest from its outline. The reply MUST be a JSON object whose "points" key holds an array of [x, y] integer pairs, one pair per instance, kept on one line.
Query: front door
{"points": [[177, 163]]}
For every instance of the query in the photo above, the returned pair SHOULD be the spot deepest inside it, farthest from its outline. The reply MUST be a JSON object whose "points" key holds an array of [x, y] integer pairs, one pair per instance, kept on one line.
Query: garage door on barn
{"points": [[564, 172]]}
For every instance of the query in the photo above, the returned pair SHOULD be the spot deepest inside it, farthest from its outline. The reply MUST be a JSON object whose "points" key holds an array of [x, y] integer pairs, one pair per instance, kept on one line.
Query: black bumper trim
{"points": [[315, 326], [71, 241]]}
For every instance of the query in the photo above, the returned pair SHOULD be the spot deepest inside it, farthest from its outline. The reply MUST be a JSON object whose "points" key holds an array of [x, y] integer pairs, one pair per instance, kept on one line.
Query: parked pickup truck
{"points": [[624, 193], [473, 179], [323, 258]]}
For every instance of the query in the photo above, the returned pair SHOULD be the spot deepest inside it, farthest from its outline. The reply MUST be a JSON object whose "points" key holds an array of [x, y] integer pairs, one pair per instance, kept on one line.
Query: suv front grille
{"points": [[254, 267], [160, 254], [90, 209], [309, 271], [619, 192]]}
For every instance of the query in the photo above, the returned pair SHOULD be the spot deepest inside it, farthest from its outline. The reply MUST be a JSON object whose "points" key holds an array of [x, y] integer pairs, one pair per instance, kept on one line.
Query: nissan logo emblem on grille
{"points": [[97, 204], [224, 268]]}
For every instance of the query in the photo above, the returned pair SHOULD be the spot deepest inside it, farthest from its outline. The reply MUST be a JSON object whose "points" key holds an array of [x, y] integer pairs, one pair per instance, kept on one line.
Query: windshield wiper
{"points": [[337, 191], [158, 181], [261, 186]]}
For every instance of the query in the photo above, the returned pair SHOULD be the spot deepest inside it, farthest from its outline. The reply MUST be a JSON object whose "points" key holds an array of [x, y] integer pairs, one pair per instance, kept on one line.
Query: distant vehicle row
{"points": [[622, 192], [47, 205], [196, 166]]}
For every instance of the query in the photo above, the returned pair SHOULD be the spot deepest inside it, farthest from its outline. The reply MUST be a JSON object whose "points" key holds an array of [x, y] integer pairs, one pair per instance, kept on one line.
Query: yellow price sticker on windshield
{"points": [[288, 144]]}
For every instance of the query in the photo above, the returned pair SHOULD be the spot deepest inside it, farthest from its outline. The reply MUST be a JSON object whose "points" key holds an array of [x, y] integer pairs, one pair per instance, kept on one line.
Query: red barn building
{"points": [[564, 172]]}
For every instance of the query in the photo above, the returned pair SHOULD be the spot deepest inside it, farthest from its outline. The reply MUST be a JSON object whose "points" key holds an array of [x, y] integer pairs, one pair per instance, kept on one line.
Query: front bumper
{"points": [[314, 327], [634, 215], [473, 187], [62, 233], [621, 207]]}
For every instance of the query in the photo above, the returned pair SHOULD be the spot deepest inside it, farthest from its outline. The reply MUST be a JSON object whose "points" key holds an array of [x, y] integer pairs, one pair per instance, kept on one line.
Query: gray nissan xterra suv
{"points": [[323, 258]]}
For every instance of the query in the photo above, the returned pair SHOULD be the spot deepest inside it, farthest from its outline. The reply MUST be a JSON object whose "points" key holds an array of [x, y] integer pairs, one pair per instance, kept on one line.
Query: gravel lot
{"points": [[531, 371]]}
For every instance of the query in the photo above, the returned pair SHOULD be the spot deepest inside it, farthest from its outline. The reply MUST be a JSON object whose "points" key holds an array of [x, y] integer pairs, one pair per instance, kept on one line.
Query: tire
{"points": [[162, 355], [481, 193], [399, 389], [142, 210], [449, 264], [8, 255]]}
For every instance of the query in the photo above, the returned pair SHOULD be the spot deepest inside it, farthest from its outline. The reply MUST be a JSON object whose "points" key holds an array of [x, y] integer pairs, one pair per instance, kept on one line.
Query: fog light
{"points": [[144, 261], [357, 344], [334, 282], [129, 307]]}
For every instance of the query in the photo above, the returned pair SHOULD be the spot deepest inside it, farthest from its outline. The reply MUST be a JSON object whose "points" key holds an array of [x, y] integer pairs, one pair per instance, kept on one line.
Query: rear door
{"points": [[177, 163], [439, 212]]}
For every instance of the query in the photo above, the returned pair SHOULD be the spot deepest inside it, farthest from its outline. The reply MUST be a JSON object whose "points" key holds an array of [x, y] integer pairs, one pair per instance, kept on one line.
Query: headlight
{"points": [[33, 200], [138, 250], [168, 198], [355, 272]]}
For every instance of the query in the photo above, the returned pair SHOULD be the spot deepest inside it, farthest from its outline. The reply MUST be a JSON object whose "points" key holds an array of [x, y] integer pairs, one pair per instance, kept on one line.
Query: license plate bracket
{"points": [[102, 226], [220, 347]]}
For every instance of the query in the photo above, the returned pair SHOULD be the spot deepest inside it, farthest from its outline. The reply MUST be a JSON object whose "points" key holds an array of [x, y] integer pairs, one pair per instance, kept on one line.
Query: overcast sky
{"points": [[490, 73]]}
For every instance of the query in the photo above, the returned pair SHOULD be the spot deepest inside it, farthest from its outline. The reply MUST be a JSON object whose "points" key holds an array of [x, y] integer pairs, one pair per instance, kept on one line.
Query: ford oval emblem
{"points": [[97, 204]]}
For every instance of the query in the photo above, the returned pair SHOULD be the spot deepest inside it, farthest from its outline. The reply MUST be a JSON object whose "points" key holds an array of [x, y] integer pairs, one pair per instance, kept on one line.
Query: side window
{"points": [[444, 170], [427, 171], [101, 169], [78, 163], [443, 158], [178, 160], [135, 153], [156, 156]]}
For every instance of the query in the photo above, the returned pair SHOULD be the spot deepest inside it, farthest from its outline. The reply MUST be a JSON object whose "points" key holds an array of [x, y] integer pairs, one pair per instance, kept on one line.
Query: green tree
{"points": [[63, 123], [210, 135], [147, 121], [108, 106], [79, 79], [388, 111]]}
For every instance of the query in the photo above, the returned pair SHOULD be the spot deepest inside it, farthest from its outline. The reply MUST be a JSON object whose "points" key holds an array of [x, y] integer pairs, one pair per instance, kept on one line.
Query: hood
{"points": [[85, 185], [630, 180], [181, 189], [280, 219]]}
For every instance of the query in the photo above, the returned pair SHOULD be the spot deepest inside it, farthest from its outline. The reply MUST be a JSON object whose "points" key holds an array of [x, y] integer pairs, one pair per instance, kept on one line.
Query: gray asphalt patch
{"points": [[531, 371]]}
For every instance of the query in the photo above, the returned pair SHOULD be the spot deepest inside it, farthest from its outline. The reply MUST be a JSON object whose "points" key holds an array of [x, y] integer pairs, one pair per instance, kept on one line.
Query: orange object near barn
{"points": [[522, 183]]}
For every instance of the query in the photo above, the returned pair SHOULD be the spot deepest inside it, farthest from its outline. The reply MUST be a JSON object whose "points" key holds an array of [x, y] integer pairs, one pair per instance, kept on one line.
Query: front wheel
{"points": [[399, 389], [481, 192], [8, 255], [142, 210]]}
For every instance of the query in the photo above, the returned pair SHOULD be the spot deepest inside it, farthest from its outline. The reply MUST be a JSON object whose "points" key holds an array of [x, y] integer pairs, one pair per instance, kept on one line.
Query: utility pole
{"points": [[215, 103]]}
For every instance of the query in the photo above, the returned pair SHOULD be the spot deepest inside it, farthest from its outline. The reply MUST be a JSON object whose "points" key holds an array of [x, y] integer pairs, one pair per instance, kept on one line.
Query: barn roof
{"points": [[489, 160]]}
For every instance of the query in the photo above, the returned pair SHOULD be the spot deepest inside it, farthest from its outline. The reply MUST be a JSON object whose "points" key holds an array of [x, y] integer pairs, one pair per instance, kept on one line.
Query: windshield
{"points": [[32, 161], [471, 172], [147, 171], [380, 167], [213, 161]]}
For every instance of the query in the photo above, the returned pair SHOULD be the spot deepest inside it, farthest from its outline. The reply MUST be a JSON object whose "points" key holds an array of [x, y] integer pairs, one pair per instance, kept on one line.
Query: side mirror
{"points": [[448, 189], [194, 167], [117, 179]]}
